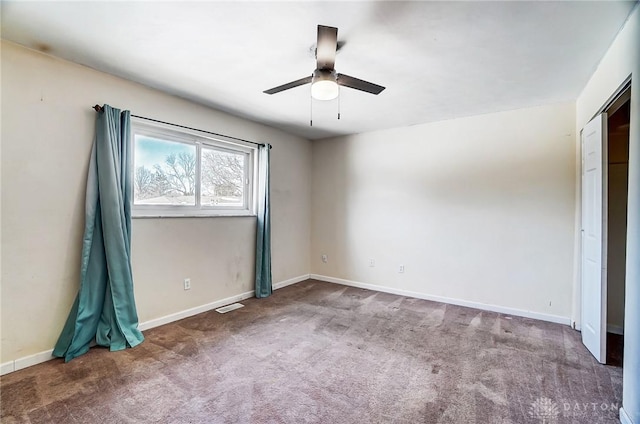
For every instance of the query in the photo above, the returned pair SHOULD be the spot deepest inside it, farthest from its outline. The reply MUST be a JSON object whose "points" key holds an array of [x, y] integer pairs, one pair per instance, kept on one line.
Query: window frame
{"points": [[198, 140]]}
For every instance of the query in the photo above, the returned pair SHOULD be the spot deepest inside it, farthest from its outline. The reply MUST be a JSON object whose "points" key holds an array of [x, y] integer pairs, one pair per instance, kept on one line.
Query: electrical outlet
{"points": [[372, 262], [325, 259], [187, 283], [401, 269]]}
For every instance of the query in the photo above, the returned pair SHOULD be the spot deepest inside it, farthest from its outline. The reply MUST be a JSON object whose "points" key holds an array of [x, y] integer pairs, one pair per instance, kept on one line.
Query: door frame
{"points": [[613, 103], [615, 98]]}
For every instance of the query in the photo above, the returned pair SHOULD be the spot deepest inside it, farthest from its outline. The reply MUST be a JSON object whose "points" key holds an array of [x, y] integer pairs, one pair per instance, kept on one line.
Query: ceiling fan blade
{"points": [[358, 84], [326, 47], [292, 84]]}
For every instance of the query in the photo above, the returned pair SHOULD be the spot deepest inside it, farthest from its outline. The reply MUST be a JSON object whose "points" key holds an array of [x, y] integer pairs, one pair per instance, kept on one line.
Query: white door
{"points": [[594, 255]]}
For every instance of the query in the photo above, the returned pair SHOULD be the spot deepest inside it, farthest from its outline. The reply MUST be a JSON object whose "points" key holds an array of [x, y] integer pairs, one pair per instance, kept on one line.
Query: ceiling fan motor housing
{"points": [[324, 75]]}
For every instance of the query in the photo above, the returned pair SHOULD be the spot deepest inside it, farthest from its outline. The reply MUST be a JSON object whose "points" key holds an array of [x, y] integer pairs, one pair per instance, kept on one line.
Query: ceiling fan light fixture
{"points": [[324, 85]]}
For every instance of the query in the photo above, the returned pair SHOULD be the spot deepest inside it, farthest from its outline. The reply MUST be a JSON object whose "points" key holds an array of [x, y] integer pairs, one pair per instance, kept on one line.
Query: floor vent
{"points": [[230, 308]]}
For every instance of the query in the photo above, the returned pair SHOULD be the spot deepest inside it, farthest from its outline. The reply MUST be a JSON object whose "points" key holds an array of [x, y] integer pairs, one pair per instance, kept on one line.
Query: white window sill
{"points": [[188, 215]]}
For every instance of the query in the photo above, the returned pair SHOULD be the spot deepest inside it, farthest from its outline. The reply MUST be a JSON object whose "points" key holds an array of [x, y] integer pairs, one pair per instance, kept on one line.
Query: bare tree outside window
{"points": [[166, 174], [178, 172], [144, 183], [222, 177]]}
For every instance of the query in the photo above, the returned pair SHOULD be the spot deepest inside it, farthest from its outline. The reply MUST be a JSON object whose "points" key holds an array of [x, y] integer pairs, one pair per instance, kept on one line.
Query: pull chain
{"points": [[310, 109], [338, 102]]}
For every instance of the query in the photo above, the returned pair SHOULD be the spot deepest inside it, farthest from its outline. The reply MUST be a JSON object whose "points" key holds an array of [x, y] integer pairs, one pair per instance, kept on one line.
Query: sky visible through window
{"points": [[150, 151], [164, 172]]}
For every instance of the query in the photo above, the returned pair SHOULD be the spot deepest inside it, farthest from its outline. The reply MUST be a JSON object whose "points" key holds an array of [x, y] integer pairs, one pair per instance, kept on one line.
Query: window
{"points": [[185, 173]]}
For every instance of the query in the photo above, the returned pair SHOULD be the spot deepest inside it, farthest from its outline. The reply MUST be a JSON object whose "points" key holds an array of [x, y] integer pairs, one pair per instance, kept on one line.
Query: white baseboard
{"points": [[615, 329], [38, 358], [624, 417], [214, 305], [157, 322], [7, 367], [459, 302], [290, 281], [26, 361]]}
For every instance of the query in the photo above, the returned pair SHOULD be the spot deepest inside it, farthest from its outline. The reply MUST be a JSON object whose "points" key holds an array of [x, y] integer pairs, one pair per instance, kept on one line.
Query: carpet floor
{"points": [[317, 352]]}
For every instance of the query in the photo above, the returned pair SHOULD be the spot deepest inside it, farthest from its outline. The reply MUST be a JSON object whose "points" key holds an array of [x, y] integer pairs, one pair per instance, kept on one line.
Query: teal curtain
{"points": [[263, 237], [105, 308]]}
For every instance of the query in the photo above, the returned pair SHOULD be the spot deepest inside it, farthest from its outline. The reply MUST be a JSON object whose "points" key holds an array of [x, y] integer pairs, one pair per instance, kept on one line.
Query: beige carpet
{"points": [[323, 353]]}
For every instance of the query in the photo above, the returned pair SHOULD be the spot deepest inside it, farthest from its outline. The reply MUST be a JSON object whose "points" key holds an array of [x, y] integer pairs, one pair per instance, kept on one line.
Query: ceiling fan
{"points": [[325, 80]]}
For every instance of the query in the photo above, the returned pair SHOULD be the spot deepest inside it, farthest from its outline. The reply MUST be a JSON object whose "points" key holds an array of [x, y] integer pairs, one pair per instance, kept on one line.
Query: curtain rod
{"points": [[98, 108]]}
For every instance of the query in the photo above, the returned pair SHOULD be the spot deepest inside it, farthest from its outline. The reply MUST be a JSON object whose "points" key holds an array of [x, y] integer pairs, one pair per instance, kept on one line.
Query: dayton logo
{"points": [[545, 410]]}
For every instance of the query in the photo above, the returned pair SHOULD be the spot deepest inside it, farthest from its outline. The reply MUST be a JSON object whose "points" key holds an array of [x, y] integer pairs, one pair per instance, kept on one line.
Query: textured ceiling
{"points": [[438, 60]]}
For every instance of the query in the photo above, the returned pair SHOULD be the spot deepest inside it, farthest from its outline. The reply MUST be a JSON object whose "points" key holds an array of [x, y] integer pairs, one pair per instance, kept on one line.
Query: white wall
{"points": [[478, 209], [47, 134], [621, 60]]}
